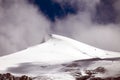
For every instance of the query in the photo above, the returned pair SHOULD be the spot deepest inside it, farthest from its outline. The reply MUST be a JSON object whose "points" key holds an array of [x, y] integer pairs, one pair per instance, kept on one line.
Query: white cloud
{"points": [[21, 26], [82, 28]]}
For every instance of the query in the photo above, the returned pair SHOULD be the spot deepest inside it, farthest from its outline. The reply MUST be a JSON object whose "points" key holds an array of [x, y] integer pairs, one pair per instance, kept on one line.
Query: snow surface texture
{"points": [[53, 57]]}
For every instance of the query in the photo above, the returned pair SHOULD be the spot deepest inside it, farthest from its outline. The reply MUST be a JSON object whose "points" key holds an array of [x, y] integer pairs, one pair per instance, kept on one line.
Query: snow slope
{"points": [[57, 50]]}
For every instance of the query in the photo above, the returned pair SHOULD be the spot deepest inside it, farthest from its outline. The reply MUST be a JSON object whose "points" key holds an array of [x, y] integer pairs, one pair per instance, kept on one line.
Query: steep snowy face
{"points": [[89, 50], [54, 51], [57, 50]]}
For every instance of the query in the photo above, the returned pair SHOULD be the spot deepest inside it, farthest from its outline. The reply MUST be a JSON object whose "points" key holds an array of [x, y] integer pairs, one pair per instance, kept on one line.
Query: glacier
{"points": [[53, 57]]}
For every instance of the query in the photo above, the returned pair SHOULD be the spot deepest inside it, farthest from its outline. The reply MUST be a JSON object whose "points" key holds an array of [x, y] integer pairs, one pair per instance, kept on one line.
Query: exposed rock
{"points": [[9, 76]]}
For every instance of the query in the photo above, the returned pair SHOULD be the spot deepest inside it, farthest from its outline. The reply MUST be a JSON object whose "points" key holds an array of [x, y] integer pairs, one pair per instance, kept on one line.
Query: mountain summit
{"points": [[57, 50]]}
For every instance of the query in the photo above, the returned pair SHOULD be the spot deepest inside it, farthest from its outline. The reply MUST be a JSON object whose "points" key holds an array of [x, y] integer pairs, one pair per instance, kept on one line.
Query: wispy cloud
{"points": [[21, 26], [82, 27]]}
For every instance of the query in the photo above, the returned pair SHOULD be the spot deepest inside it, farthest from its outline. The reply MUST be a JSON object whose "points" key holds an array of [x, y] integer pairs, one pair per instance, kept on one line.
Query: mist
{"points": [[21, 26], [97, 29]]}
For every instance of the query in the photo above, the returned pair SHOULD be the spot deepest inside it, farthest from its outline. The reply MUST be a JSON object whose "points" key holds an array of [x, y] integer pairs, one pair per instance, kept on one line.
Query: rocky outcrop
{"points": [[9, 76]]}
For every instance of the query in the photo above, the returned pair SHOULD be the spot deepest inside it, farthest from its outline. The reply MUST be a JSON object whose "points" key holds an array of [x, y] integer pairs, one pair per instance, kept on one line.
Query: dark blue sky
{"points": [[53, 9], [104, 13]]}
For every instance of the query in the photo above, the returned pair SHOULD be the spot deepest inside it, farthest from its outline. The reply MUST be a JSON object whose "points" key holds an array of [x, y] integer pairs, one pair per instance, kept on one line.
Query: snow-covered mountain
{"points": [[49, 56]]}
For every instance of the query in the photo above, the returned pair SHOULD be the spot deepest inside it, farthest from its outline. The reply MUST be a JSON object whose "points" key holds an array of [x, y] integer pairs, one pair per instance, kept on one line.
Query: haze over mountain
{"points": [[27, 23]]}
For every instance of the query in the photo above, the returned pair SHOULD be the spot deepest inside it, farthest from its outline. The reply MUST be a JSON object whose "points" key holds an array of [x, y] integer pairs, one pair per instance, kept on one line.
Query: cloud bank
{"points": [[97, 29], [95, 22], [21, 26]]}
